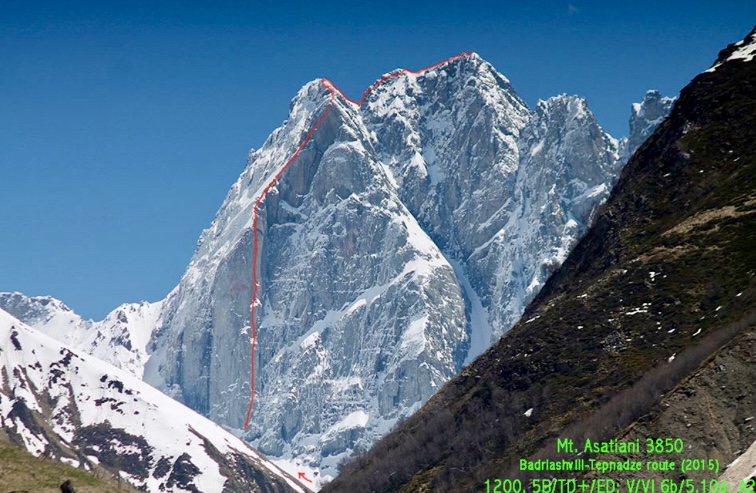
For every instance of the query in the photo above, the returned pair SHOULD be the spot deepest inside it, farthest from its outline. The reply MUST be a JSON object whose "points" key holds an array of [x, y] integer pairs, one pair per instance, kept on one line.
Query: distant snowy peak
{"points": [[563, 144], [572, 116], [654, 106], [36, 309], [48, 315], [644, 118], [120, 339], [648, 114]]}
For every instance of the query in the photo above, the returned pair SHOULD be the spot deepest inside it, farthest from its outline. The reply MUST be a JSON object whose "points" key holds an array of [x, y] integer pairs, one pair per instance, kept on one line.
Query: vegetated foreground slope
{"points": [[712, 410], [664, 277], [76, 409], [21, 471]]}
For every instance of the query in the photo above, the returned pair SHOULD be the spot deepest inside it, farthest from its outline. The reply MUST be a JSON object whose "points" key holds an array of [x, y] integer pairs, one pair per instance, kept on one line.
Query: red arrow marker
{"points": [[303, 476]]}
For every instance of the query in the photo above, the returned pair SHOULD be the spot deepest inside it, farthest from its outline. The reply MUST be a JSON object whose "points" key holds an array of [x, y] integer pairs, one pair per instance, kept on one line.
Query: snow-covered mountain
{"points": [[67, 405], [119, 339], [407, 235]]}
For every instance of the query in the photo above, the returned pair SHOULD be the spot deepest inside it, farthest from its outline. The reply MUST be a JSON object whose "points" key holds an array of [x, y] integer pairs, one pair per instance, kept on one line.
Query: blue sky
{"points": [[123, 124]]}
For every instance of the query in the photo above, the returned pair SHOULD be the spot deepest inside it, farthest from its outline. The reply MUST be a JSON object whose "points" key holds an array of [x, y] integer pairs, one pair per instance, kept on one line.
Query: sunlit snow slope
{"points": [[70, 406]]}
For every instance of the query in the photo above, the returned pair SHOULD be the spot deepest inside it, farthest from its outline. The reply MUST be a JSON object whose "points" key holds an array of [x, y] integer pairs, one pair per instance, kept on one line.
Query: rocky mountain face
{"points": [[63, 404], [406, 237], [656, 301]]}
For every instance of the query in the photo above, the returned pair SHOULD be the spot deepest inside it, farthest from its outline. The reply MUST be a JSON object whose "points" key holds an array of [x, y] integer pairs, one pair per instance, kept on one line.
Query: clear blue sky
{"points": [[123, 124]]}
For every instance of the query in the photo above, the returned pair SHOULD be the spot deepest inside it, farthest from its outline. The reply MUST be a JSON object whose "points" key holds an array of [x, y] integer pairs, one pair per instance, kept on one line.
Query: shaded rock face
{"points": [[360, 314], [406, 237]]}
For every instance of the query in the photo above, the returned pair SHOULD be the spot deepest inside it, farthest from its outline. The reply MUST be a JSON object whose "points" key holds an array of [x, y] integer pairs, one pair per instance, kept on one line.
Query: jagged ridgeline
{"points": [[661, 290]]}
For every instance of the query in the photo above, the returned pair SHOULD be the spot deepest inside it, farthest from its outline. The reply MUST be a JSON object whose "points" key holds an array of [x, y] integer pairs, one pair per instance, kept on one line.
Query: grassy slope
{"points": [[710, 409], [684, 210], [21, 471]]}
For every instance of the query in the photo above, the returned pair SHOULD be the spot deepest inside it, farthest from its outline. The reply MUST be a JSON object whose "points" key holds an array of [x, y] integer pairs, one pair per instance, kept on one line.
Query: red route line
{"points": [[331, 87]]}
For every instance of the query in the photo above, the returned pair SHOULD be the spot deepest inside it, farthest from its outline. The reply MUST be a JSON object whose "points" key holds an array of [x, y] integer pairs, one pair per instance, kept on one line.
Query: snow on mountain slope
{"points": [[742, 51], [72, 407], [507, 208], [567, 167], [120, 339], [408, 234]]}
